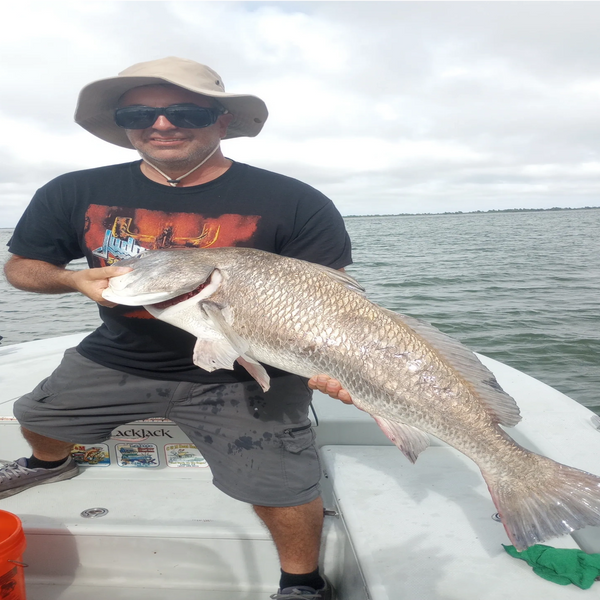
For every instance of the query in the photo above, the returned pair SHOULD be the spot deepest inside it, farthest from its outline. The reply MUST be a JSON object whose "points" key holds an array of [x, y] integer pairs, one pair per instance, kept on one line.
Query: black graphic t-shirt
{"points": [[115, 212]]}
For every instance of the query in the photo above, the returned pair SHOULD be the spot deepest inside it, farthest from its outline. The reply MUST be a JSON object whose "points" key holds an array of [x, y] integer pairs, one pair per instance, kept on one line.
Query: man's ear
{"points": [[223, 122]]}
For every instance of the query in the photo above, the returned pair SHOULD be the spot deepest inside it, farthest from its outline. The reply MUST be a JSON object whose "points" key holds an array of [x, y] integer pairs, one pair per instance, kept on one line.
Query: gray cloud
{"points": [[467, 104]]}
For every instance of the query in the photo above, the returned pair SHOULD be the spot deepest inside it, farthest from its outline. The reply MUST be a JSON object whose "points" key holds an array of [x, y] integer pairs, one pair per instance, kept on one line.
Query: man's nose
{"points": [[162, 123]]}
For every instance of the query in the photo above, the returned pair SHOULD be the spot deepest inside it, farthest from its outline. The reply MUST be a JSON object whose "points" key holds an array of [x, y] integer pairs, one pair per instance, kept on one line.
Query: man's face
{"points": [[163, 142]]}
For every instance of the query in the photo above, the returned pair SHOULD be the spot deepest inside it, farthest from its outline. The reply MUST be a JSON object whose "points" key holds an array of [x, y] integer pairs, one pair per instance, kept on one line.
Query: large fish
{"points": [[257, 307]]}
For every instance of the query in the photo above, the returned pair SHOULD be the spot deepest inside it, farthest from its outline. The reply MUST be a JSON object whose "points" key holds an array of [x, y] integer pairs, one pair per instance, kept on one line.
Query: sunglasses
{"points": [[188, 116]]}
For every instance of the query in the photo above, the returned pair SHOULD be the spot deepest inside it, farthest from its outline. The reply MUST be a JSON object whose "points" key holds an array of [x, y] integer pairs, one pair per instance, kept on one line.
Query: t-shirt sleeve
{"points": [[319, 235], [45, 231]]}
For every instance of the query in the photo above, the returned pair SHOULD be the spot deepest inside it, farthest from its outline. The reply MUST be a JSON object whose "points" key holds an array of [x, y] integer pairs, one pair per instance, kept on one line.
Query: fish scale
{"points": [[257, 307]]}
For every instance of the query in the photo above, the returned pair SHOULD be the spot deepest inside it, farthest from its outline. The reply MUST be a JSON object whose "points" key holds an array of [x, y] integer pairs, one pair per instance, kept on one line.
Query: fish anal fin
{"points": [[410, 440]]}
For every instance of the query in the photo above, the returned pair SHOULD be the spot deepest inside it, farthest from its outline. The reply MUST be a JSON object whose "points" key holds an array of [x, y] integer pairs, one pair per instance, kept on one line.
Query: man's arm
{"points": [[45, 278]]}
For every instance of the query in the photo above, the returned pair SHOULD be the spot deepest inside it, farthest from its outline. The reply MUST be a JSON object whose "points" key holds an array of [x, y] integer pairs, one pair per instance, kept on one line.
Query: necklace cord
{"points": [[174, 182]]}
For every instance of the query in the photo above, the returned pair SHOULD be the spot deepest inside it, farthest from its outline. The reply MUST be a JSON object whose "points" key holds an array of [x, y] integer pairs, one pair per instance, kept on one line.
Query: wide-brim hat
{"points": [[98, 100]]}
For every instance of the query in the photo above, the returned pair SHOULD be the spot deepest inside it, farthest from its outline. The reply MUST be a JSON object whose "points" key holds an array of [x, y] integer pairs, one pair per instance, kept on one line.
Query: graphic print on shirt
{"points": [[114, 233]]}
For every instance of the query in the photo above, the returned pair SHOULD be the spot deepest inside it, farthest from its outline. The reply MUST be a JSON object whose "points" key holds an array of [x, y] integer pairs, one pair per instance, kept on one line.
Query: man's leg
{"points": [[81, 402], [296, 531], [46, 449], [261, 450]]}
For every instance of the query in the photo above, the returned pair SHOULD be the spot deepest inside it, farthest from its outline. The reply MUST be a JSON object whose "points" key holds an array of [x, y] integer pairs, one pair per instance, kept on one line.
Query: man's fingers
{"points": [[330, 386], [91, 282], [107, 304], [108, 272], [344, 396]]}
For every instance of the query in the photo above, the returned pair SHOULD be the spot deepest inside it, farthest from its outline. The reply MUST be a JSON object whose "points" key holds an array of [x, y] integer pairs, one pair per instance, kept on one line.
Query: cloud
{"points": [[385, 106]]}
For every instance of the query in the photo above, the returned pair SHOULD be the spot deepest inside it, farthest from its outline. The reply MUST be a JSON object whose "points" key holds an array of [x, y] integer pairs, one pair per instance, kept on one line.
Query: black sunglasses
{"points": [[189, 116]]}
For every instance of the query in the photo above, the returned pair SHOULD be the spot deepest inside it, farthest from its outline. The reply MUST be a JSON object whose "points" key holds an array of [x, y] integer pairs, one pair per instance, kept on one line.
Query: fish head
{"points": [[158, 276]]}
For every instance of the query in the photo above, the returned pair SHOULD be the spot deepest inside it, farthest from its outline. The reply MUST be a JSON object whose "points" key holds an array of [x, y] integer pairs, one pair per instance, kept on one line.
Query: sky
{"points": [[386, 107]]}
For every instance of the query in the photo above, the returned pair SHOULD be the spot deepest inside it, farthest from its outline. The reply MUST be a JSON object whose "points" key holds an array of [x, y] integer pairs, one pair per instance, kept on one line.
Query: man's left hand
{"points": [[330, 386]]}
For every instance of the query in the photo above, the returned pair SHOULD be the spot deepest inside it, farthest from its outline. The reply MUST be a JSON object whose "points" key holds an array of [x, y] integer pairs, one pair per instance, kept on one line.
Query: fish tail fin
{"points": [[547, 500]]}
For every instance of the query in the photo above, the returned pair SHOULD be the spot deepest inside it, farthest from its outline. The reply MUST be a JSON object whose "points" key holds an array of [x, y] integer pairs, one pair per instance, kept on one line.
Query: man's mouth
{"points": [[166, 140]]}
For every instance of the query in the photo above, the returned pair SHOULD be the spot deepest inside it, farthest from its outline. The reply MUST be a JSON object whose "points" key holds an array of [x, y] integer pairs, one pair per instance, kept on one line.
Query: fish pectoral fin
{"points": [[410, 440], [257, 371], [214, 353], [238, 344]]}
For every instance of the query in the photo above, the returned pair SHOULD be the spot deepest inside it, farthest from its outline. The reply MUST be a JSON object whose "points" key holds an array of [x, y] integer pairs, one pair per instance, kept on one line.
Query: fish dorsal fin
{"points": [[343, 278], [498, 403], [410, 440]]}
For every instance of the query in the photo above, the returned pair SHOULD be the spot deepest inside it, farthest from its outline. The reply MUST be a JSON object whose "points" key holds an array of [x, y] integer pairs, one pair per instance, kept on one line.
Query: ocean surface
{"points": [[520, 287]]}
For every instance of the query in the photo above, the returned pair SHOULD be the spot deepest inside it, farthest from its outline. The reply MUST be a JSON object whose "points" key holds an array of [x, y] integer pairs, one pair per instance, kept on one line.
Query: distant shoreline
{"points": [[458, 212], [474, 212]]}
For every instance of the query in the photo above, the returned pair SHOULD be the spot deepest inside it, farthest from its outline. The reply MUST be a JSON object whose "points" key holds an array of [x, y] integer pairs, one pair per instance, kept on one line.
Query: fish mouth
{"points": [[181, 298], [122, 291]]}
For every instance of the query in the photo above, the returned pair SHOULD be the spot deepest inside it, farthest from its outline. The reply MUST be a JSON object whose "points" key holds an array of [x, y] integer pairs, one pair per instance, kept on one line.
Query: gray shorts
{"points": [[260, 446]]}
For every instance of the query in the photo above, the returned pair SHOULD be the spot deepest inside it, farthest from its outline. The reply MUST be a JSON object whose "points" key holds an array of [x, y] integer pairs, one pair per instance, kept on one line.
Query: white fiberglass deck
{"points": [[437, 541], [404, 531]]}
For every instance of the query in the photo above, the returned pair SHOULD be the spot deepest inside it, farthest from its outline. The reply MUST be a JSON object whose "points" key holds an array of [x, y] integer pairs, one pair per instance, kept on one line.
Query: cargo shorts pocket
{"points": [[57, 391], [301, 465], [41, 394], [31, 406]]}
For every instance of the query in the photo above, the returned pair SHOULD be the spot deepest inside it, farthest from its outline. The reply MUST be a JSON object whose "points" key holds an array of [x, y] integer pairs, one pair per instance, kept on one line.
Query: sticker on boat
{"points": [[91, 455], [184, 455], [137, 455]]}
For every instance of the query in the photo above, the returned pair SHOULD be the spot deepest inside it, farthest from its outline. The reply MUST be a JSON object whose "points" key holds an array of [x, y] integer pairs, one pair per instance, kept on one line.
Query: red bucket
{"points": [[12, 546]]}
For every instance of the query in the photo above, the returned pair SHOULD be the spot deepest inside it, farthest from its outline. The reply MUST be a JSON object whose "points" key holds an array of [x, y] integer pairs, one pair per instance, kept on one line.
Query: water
{"points": [[522, 288]]}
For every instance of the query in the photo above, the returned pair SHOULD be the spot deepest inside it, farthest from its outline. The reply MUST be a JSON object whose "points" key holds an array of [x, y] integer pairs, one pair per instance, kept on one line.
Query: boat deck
{"points": [[399, 530]]}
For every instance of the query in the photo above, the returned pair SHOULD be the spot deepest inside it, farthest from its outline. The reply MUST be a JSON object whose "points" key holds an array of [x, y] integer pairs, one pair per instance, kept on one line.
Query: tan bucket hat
{"points": [[98, 100]]}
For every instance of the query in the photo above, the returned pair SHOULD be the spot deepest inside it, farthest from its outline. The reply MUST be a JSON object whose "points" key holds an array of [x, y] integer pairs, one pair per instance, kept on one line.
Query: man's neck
{"points": [[185, 176]]}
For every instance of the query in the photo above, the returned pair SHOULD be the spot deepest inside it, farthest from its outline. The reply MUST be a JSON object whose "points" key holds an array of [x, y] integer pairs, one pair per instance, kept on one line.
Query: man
{"points": [[183, 193]]}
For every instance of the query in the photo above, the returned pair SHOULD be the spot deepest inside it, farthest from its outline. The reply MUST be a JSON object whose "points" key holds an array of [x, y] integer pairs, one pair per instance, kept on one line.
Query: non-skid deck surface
{"points": [[427, 531], [168, 534], [35, 592]]}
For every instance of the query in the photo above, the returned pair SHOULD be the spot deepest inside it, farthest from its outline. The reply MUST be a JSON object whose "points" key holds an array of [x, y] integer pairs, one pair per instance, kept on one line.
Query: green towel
{"points": [[561, 565]]}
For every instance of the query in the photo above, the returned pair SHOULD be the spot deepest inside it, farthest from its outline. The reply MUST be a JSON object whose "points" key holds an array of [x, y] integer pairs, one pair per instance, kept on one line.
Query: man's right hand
{"points": [[92, 282], [45, 278]]}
